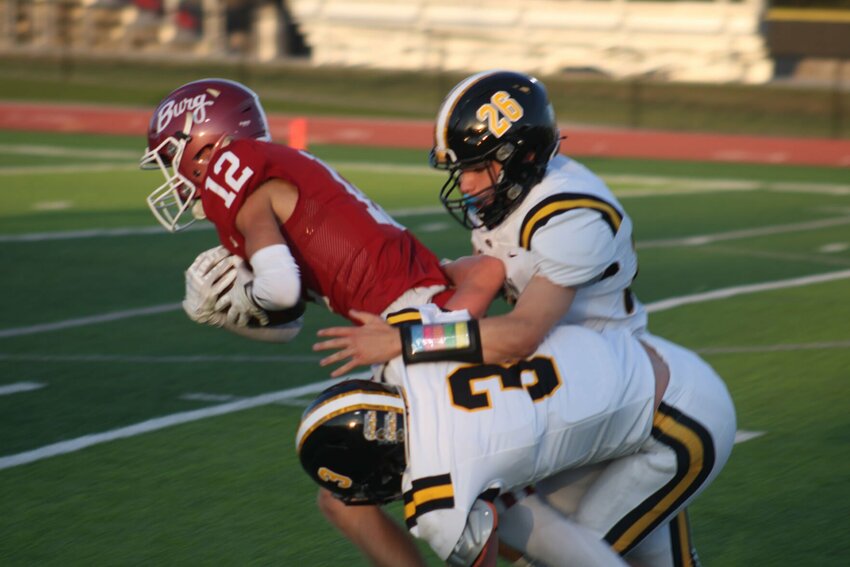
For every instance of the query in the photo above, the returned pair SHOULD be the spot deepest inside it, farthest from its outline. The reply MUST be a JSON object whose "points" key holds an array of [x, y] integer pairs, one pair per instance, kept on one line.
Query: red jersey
{"points": [[351, 253]]}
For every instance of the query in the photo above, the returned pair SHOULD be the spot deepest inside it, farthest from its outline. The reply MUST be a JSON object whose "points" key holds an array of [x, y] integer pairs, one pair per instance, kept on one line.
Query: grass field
{"points": [[289, 87], [139, 438]]}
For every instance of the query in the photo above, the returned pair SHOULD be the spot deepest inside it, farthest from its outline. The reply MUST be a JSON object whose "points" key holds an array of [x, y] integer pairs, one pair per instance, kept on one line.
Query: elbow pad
{"points": [[277, 279]]}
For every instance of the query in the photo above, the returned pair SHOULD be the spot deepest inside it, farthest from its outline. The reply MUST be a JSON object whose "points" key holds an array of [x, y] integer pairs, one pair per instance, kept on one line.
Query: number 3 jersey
{"points": [[476, 430], [572, 230], [351, 253]]}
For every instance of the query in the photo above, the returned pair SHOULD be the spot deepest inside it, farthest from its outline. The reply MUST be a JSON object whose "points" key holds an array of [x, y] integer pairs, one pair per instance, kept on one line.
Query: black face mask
{"points": [[507, 190]]}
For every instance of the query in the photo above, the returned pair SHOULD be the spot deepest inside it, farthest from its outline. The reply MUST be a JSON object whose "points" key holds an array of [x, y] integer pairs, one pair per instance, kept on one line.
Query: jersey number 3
{"points": [[462, 381], [233, 177]]}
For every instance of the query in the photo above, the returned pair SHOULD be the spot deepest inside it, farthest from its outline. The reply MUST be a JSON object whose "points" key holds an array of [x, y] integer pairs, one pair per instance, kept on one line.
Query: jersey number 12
{"points": [[233, 178]]}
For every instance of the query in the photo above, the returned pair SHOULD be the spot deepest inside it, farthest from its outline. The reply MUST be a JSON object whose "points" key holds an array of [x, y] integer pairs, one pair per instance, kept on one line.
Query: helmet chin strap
{"points": [[198, 210]]}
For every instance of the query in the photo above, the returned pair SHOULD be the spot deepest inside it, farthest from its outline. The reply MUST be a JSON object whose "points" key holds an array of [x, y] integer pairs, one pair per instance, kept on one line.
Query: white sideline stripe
{"points": [[749, 233], [92, 233], [178, 359], [20, 387], [65, 169], [73, 445], [155, 424], [423, 211], [742, 436], [260, 359], [826, 345], [687, 184], [243, 359], [48, 151], [158, 230], [651, 307], [202, 397], [727, 292], [83, 321]]}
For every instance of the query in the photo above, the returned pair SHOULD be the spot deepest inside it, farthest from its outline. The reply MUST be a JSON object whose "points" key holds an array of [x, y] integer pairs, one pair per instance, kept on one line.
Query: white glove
{"points": [[209, 276], [241, 310]]}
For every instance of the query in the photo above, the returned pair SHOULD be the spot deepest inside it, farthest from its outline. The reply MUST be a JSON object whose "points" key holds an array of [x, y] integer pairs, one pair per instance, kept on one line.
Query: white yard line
{"points": [[734, 291], [785, 257], [176, 359], [741, 435], [155, 424], [220, 398], [423, 211], [88, 233], [159, 231], [18, 387], [66, 169], [63, 151], [306, 358], [94, 319], [748, 233], [80, 443], [651, 307], [756, 349]]}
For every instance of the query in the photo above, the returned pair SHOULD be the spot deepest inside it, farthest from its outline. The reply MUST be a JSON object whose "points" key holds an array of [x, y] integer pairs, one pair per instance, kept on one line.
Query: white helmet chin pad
{"points": [[169, 201]]}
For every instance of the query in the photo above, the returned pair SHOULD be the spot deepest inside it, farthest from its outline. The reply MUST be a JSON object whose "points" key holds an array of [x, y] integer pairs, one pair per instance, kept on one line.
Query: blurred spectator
{"points": [[154, 6], [189, 17]]}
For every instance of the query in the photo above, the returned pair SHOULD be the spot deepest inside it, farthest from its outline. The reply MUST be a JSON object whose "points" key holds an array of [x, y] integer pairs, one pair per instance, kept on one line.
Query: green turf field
{"points": [[145, 439]]}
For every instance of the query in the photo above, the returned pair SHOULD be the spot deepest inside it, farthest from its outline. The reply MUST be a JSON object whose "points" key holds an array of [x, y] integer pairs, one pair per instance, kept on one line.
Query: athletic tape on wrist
{"points": [[459, 341]]}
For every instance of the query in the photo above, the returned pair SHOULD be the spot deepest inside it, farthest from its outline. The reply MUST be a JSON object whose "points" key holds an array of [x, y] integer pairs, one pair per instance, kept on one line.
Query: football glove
{"points": [[209, 277], [238, 302]]}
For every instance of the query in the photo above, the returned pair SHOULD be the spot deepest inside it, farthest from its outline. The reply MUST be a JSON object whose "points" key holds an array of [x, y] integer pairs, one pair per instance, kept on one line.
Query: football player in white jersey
{"points": [[455, 436], [565, 240]]}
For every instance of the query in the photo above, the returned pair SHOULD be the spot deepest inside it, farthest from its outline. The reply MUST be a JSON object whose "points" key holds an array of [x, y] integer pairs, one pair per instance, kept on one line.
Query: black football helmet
{"points": [[351, 441], [498, 116]]}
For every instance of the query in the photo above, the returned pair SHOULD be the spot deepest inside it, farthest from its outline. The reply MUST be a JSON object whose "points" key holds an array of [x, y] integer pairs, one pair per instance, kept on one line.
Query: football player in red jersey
{"points": [[306, 233]]}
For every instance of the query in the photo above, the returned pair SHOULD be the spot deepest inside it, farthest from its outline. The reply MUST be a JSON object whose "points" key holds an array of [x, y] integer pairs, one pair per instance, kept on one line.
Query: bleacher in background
{"points": [[699, 41], [206, 28], [693, 41]]}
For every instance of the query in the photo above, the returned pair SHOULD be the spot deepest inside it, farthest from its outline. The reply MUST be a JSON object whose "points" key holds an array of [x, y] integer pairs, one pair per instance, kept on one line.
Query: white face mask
{"points": [[169, 201]]}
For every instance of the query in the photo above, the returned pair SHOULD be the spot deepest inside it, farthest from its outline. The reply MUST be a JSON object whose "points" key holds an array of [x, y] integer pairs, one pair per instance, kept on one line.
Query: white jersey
{"points": [[571, 229], [474, 429]]}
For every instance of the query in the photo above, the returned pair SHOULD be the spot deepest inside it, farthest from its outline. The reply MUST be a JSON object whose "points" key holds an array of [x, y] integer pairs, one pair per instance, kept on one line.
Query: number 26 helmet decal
{"points": [[187, 126], [497, 116]]}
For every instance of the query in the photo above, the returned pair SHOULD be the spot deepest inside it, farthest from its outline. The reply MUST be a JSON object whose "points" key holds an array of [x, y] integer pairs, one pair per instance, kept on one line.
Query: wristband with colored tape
{"points": [[460, 341]]}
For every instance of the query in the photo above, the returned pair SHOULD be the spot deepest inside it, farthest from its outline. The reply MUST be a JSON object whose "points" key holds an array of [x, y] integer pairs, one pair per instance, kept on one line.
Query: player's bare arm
{"points": [[507, 337], [264, 211], [517, 334], [477, 280]]}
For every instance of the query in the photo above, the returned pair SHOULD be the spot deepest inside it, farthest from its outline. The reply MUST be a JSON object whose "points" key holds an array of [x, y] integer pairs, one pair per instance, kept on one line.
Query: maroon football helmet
{"points": [[186, 127]]}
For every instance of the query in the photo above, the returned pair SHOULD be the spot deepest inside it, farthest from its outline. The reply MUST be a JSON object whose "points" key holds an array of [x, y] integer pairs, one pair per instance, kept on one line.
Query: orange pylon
{"points": [[298, 133]]}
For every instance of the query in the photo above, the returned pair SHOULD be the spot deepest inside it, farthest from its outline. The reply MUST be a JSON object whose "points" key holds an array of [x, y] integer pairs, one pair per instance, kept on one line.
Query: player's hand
{"points": [[373, 342], [238, 302], [209, 276]]}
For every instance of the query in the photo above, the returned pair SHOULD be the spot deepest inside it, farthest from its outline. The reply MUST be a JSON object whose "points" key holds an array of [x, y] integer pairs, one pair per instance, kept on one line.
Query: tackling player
{"points": [[306, 233], [456, 436], [565, 240]]}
